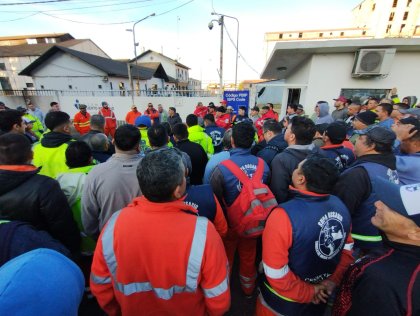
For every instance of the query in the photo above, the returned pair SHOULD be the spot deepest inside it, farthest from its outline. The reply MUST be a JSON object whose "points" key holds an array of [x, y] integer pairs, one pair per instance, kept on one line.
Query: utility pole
{"points": [[221, 23]]}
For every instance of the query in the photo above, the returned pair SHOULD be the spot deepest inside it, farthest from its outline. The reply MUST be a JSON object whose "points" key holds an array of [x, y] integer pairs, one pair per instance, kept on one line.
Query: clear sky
{"points": [[182, 32]]}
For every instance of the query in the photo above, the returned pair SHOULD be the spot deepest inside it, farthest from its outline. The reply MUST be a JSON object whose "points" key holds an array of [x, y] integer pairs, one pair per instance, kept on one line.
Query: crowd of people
{"points": [[322, 212]]}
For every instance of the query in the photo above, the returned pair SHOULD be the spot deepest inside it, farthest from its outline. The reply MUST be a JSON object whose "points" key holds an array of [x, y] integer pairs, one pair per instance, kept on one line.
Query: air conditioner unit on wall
{"points": [[373, 62]]}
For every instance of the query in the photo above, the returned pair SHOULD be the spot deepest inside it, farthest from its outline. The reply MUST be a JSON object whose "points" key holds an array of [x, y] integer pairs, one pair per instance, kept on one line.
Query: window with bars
{"points": [[405, 15], [394, 5]]}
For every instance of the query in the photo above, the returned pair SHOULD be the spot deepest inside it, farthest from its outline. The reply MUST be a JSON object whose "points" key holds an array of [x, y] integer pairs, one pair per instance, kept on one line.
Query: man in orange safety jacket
{"points": [[110, 120], [81, 120], [170, 261]]}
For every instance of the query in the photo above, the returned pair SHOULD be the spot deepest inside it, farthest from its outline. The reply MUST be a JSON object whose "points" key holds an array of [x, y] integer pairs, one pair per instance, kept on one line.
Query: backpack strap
{"points": [[237, 172]]}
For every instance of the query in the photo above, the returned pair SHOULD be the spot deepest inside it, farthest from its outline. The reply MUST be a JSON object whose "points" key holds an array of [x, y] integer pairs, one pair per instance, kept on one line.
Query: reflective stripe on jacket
{"points": [[160, 270]]}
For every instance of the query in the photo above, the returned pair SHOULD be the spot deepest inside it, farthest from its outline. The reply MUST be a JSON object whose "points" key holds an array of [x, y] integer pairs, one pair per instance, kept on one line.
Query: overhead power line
{"points": [[36, 2], [81, 8], [109, 23], [239, 53]]}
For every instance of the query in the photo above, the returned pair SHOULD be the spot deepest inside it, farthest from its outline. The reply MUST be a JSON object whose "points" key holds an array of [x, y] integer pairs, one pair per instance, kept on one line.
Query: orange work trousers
{"points": [[109, 131], [247, 248]]}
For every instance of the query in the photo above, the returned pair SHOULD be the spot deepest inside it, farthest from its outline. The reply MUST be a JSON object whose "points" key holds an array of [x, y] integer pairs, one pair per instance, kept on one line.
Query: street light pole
{"points": [[237, 42], [135, 47]]}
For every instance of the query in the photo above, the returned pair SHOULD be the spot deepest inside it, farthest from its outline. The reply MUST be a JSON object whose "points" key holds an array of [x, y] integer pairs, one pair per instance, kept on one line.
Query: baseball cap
{"points": [[402, 199], [143, 121], [211, 104], [341, 98], [21, 109], [133, 106], [82, 106], [412, 111], [223, 102], [380, 135], [28, 121], [104, 103], [367, 117], [413, 121], [300, 107], [229, 107], [336, 132]]}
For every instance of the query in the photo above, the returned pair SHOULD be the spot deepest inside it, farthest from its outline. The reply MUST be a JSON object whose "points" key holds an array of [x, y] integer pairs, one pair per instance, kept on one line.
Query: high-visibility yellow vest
{"points": [[51, 160]]}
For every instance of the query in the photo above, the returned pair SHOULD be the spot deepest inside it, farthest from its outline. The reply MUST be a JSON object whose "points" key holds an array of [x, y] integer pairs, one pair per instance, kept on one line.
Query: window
{"points": [[29, 85], [391, 16], [405, 15], [280, 35], [364, 33], [388, 28], [70, 86], [2, 66], [331, 33], [394, 5], [361, 95], [31, 41], [42, 87], [99, 86], [321, 34], [300, 35], [408, 3], [373, 7], [290, 35], [402, 27], [342, 34]]}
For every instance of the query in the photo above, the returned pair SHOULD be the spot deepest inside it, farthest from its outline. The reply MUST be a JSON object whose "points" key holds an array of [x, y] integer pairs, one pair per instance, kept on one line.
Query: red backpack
{"points": [[248, 213]]}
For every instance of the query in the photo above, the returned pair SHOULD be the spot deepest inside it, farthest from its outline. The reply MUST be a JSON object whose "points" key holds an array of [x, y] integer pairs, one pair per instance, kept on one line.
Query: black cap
{"points": [[82, 106], [336, 132], [411, 121], [381, 135], [21, 109], [367, 117]]}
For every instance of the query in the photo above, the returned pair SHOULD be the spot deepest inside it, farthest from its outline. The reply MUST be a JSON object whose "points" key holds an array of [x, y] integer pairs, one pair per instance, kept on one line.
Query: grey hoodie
{"points": [[324, 114]]}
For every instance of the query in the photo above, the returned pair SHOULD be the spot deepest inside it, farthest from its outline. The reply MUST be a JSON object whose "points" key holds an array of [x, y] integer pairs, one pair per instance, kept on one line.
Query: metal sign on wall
{"points": [[237, 98]]}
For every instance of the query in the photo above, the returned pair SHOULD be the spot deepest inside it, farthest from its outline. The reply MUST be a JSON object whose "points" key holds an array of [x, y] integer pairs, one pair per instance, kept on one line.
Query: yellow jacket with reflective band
{"points": [[37, 128], [197, 135], [51, 160]]}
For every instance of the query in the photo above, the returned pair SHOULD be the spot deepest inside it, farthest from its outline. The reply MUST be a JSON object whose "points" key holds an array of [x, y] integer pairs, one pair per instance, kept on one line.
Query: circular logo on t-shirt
{"points": [[216, 137], [331, 237]]}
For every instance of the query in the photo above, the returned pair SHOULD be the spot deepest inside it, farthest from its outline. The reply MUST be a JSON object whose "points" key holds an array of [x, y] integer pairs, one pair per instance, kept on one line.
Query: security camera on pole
{"points": [[221, 23]]}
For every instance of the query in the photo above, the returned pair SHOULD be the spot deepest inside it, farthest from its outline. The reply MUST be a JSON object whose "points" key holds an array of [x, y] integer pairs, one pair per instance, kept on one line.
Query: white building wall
{"points": [[120, 104], [169, 67], [377, 20], [14, 65], [332, 72]]}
